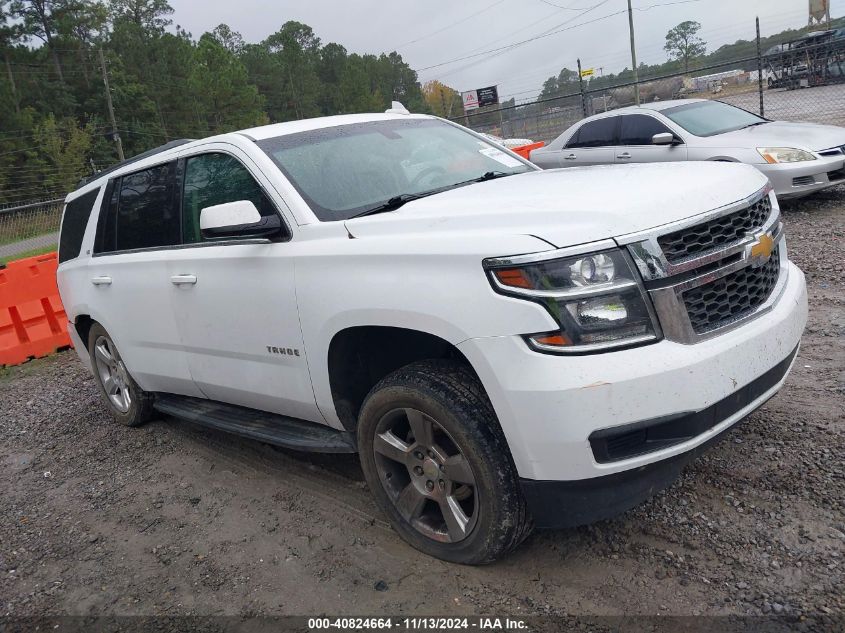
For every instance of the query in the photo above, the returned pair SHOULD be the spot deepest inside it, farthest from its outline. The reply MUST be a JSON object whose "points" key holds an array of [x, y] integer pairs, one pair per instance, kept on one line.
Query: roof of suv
{"points": [[169, 150], [292, 127]]}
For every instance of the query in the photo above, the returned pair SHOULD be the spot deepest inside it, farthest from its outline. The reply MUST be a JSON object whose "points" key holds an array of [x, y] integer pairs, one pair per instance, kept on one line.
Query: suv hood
{"points": [[784, 134], [571, 206]]}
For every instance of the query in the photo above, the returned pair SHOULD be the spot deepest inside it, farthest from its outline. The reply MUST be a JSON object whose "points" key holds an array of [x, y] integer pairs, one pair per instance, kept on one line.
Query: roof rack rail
{"points": [[150, 152]]}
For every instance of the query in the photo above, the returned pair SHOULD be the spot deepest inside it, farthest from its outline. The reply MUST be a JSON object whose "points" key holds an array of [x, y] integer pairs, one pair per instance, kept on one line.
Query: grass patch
{"points": [[11, 372], [30, 253]]}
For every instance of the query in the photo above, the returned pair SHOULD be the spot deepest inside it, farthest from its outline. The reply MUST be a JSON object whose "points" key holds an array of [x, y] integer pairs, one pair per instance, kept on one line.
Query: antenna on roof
{"points": [[396, 108]]}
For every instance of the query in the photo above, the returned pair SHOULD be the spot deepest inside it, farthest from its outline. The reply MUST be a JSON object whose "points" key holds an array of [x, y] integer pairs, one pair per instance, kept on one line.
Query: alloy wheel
{"points": [[112, 374], [426, 475]]}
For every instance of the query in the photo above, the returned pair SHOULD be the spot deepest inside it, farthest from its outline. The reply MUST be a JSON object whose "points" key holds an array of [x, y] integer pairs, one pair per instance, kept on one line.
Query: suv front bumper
{"points": [[550, 407]]}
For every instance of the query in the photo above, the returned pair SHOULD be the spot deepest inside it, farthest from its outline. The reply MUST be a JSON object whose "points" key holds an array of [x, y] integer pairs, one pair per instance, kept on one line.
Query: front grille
{"points": [[731, 297], [800, 181], [716, 233]]}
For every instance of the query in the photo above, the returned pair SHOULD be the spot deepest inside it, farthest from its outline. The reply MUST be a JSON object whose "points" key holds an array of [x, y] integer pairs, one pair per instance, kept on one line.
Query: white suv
{"points": [[505, 347]]}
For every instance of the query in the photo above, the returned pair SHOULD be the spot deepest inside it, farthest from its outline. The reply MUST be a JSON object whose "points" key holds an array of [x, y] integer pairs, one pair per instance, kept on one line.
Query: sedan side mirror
{"points": [[237, 219], [663, 138]]}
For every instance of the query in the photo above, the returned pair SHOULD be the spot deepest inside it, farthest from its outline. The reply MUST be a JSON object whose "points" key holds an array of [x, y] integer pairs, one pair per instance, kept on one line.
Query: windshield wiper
{"points": [[753, 124], [392, 204], [490, 175], [397, 201]]}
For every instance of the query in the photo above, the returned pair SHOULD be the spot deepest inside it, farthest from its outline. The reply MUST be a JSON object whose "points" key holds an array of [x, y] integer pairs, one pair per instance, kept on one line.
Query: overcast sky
{"points": [[430, 32]]}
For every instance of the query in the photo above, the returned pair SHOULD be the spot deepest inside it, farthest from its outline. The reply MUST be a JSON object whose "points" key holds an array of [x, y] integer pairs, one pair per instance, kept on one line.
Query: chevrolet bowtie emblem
{"points": [[762, 250]]}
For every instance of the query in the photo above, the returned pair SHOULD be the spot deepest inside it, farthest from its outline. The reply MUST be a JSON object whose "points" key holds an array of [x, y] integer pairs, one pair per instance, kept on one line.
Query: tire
{"points": [[460, 466], [133, 410]]}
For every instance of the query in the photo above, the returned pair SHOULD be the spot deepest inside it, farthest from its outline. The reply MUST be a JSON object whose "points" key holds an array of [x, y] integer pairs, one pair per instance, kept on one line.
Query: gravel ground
{"points": [[170, 519]]}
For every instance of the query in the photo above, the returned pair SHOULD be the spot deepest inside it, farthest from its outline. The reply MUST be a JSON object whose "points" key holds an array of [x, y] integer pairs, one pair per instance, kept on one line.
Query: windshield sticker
{"points": [[500, 157]]}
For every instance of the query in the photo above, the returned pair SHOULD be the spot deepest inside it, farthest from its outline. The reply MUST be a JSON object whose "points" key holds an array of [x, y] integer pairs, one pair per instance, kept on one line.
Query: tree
{"points": [[220, 84], [164, 84], [38, 19], [683, 43], [62, 149], [441, 99], [148, 15], [229, 39]]}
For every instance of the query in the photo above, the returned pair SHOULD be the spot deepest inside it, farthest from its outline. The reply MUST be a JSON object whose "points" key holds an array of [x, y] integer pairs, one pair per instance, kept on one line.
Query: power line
{"points": [[552, 4], [449, 26], [526, 41]]}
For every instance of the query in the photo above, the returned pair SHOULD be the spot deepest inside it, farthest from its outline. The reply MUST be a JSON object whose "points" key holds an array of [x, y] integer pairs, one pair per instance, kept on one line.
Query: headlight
{"points": [[596, 299], [776, 155]]}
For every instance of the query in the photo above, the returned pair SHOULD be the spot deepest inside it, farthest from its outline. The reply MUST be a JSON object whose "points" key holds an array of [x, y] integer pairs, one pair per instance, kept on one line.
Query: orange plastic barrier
{"points": [[32, 319], [525, 150]]}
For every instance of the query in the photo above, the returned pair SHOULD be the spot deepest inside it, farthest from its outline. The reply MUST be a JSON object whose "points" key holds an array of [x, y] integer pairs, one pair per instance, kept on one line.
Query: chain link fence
{"points": [[29, 228], [802, 80]]}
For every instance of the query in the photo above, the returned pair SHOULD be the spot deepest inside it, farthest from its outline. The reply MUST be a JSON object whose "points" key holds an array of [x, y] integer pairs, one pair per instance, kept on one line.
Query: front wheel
{"points": [[438, 464]]}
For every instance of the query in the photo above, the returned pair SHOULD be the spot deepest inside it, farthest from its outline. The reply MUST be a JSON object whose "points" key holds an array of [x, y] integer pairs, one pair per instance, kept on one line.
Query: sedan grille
{"points": [[731, 297], [716, 233]]}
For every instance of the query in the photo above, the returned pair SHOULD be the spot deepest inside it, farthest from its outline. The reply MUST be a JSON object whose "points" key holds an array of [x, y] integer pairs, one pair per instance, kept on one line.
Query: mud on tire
{"points": [[448, 397]]}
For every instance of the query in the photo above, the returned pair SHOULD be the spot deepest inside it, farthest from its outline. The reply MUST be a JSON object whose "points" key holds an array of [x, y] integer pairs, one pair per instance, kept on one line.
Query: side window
{"points": [[74, 222], [637, 129], [139, 211], [212, 179], [598, 133]]}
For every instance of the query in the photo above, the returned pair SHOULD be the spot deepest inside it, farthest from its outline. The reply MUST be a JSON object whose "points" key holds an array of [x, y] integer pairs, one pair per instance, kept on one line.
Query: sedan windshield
{"points": [[708, 118], [349, 170]]}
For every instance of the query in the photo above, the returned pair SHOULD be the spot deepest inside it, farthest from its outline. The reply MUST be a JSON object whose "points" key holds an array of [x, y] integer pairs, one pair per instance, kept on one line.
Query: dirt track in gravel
{"points": [[173, 519]]}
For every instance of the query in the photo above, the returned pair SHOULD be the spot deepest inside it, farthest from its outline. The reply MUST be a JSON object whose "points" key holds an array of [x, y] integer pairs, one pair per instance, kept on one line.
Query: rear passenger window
{"points": [[212, 179], [637, 129], [146, 211], [74, 222], [598, 133]]}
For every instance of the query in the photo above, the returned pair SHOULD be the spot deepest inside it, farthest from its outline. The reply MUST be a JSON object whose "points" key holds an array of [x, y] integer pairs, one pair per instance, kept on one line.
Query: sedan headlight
{"points": [[595, 298], [774, 155]]}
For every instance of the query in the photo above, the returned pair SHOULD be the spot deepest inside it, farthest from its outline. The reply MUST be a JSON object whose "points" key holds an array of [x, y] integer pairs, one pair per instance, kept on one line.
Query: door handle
{"points": [[623, 155], [101, 281], [181, 280], [570, 157]]}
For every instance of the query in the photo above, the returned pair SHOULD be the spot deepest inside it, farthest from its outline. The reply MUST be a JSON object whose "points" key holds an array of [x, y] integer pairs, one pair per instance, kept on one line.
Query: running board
{"points": [[258, 425]]}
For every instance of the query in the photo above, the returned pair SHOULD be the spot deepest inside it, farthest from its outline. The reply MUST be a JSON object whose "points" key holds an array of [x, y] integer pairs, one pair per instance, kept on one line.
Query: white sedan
{"points": [[798, 158]]}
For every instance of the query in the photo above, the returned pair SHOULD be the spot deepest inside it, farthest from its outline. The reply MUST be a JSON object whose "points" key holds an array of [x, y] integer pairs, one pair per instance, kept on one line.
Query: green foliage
{"points": [[683, 43], [165, 84], [62, 149]]}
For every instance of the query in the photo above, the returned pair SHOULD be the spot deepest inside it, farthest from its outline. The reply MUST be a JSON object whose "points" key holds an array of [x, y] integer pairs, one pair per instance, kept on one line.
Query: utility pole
{"points": [[581, 88], [115, 133], [633, 53]]}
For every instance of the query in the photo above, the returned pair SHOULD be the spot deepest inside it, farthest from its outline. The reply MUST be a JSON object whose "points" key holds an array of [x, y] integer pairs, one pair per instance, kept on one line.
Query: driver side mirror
{"points": [[238, 219], [664, 138]]}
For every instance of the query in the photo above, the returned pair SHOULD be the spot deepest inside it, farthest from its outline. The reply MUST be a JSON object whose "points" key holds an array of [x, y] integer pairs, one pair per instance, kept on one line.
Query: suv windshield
{"points": [[708, 118], [347, 170]]}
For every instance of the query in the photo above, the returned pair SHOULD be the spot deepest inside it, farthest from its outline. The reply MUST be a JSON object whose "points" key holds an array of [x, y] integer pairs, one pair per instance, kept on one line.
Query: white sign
{"points": [[470, 98], [500, 157]]}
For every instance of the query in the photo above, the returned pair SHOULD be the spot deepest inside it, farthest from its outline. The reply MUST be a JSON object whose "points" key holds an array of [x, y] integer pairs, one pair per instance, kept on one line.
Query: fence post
{"points": [[581, 86], [759, 68]]}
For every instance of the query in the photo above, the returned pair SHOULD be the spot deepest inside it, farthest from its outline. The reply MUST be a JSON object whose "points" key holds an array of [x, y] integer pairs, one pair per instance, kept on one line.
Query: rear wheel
{"points": [[438, 465], [128, 403]]}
